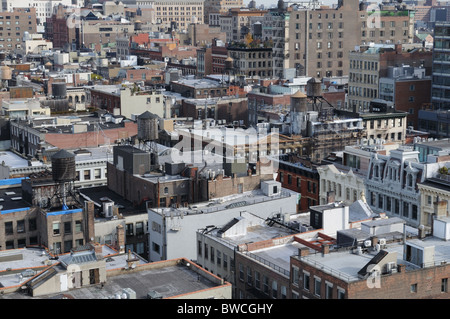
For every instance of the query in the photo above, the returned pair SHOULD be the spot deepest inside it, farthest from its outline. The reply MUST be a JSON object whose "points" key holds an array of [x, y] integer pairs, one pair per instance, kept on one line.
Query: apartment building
{"points": [[387, 23], [251, 62], [182, 13], [369, 63], [301, 177], [14, 25], [237, 23], [320, 39], [383, 125], [409, 89]]}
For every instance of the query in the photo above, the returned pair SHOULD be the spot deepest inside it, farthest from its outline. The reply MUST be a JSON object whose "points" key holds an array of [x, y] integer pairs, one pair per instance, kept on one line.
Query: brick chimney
{"points": [[398, 48], [304, 251], [98, 249], [325, 249], [120, 245], [89, 232]]}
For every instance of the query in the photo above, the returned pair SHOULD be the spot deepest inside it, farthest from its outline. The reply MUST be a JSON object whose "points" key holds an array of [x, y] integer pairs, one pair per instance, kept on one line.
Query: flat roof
{"points": [[11, 200], [170, 279], [12, 160], [223, 203], [346, 265]]}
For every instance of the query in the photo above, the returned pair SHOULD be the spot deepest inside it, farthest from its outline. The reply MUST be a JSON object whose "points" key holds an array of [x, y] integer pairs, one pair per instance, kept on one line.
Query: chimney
{"points": [[325, 249], [398, 48], [98, 250], [303, 252], [120, 245], [374, 241], [89, 230], [400, 268]]}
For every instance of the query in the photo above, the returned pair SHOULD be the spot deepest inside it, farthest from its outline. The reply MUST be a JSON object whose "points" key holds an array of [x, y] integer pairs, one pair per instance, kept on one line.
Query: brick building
{"points": [[26, 224], [301, 177], [409, 89], [385, 274], [229, 109]]}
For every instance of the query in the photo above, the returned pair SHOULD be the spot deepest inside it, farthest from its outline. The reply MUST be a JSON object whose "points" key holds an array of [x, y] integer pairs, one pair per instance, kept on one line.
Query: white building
{"points": [[347, 186], [173, 231], [392, 183]]}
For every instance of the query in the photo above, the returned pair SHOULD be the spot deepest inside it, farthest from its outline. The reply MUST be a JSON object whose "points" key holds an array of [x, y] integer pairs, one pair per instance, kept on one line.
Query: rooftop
{"points": [[223, 203], [346, 264]]}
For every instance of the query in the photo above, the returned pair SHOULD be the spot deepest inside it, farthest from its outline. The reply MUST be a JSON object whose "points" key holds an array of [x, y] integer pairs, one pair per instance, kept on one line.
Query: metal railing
{"points": [[269, 264]]}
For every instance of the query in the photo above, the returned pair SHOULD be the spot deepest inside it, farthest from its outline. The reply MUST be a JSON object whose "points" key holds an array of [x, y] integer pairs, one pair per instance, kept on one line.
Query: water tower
{"points": [[299, 108], [59, 90], [64, 175], [229, 67], [314, 93], [147, 124]]}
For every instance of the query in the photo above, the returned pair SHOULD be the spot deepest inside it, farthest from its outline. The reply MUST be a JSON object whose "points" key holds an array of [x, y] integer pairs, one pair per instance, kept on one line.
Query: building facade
{"points": [[19, 20]]}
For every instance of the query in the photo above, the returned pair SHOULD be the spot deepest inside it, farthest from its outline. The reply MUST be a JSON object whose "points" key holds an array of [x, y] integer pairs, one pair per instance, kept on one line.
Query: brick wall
{"points": [[91, 139]]}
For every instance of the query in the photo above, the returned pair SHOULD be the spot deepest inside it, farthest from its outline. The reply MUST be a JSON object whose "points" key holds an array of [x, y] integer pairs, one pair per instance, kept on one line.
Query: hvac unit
{"points": [[391, 267], [367, 243], [382, 242]]}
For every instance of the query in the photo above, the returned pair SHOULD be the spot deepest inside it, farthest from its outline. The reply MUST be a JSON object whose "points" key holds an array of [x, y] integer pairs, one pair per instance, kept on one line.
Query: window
{"points": [[306, 281], [413, 288], [87, 175], [317, 286], [241, 272], [67, 227], [257, 280], [249, 276], [283, 292], [340, 293], [78, 226], [155, 247], [199, 248], [129, 229], [219, 258], [97, 173], [329, 290], [67, 246], [56, 229], [140, 248], [444, 285], [212, 255], [9, 228], [21, 226], [225, 262], [266, 284], [274, 289], [140, 228], [206, 251]]}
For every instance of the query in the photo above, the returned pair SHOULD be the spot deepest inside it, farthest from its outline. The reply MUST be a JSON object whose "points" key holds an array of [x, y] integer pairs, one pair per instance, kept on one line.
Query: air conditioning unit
{"points": [[367, 243], [391, 267], [382, 242]]}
